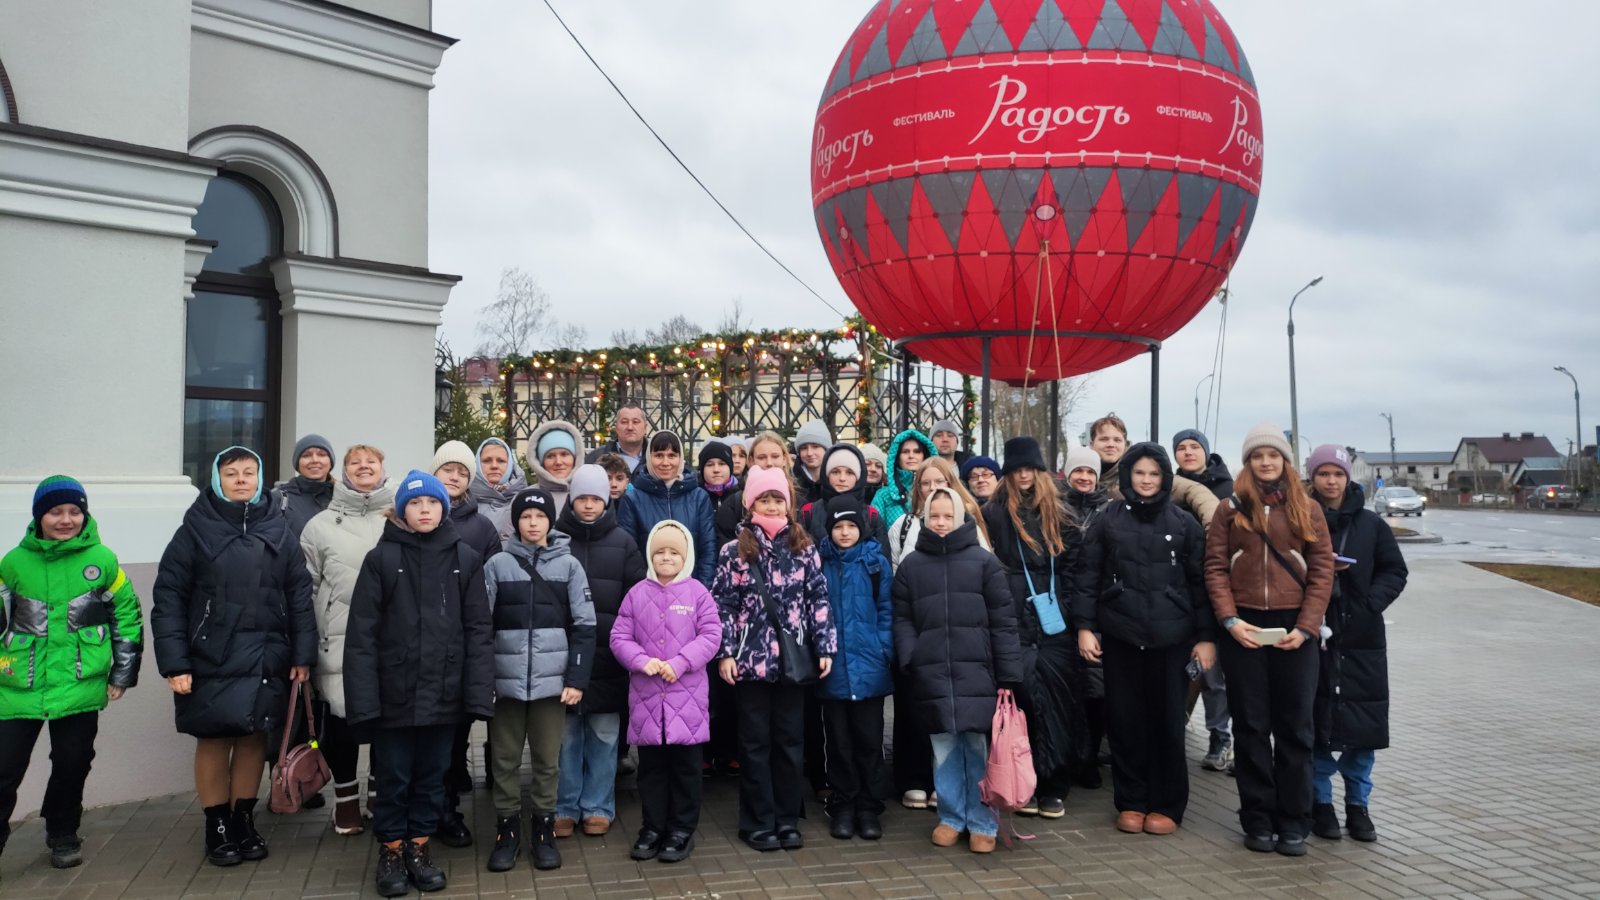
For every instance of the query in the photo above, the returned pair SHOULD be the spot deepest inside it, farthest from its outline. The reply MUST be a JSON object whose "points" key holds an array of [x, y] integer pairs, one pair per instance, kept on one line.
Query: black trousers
{"points": [[913, 754], [71, 754], [669, 787], [340, 745], [1270, 694], [1146, 694], [771, 740], [724, 746], [409, 765], [815, 751], [856, 772]]}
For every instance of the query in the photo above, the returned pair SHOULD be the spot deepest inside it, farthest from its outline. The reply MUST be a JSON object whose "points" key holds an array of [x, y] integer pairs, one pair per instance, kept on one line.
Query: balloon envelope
{"points": [[1019, 168]]}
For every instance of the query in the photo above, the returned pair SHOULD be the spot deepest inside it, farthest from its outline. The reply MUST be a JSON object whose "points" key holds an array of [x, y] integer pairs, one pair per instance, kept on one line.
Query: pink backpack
{"points": [[1008, 780]]}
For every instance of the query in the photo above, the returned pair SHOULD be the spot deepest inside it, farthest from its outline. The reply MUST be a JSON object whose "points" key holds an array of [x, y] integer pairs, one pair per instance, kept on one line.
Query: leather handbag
{"points": [[301, 771], [797, 665]]}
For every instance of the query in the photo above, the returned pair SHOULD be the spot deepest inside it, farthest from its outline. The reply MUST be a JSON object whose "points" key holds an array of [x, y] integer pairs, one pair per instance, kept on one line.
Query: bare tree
{"points": [[624, 337], [673, 331], [1016, 412], [520, 320], [733, 320]]}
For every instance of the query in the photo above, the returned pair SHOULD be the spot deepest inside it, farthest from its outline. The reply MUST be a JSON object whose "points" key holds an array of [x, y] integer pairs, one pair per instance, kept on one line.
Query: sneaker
{"points": [[677, 847], [1360, 824], [1031, 808], [1259, 842], [220, 848], [542, 845], [393, 880], [420, 868], [1052, 807], [564, 826], [1325, 822], [66, 850], [453, 831], [933, 799], [1291, 844], [242, 829], [1220, 756], [945, 836], [646, 846], [507, 844], [914, 799]]}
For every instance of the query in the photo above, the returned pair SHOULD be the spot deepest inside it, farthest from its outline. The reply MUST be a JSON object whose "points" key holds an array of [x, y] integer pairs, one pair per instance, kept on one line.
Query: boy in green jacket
{"points": [[71, 634]]}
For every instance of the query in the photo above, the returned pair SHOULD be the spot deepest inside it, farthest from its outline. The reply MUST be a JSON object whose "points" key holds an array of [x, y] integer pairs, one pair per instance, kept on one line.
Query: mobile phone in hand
{"points": [[1194, 670]]}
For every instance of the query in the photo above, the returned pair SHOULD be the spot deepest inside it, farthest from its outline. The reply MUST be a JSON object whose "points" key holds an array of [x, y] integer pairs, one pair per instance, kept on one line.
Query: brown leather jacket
{"points": [[1241, 573]]}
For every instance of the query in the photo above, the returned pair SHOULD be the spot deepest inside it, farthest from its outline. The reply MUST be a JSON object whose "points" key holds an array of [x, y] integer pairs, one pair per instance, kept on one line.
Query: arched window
{"points": [[234, 333]]}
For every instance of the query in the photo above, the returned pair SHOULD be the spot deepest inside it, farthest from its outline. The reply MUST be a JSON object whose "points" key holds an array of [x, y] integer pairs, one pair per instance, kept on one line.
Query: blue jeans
{"points": [[588, 784], [1354, 765], [959, 761]]}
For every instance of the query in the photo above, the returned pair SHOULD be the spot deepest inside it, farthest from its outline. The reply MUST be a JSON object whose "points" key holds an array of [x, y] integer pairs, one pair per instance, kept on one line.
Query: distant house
{"points": [[1422, 470], [1492, 463], [1540, 471]]}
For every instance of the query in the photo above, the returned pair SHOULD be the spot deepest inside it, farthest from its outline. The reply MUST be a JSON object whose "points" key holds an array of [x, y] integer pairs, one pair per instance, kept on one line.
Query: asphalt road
{"points": [[1499, 536]]}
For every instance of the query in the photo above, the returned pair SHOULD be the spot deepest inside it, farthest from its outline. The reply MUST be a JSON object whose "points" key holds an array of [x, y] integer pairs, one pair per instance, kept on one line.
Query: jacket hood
{"points": [[1215, 472], [496, 496], [902, 479], [965, 535], [216, 473], [860, 490], [216, 522], [569, 523], [398, 531], [646, 481], [867, 549], [1355, 500], [557, 543], [83, 540], [350, 502], [684, 574], [465, 508], [1135, 453], [536, 466]]}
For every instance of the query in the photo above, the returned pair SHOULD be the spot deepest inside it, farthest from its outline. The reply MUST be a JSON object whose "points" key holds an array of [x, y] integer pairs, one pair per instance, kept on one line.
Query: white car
{"points": [[1398, 501]]}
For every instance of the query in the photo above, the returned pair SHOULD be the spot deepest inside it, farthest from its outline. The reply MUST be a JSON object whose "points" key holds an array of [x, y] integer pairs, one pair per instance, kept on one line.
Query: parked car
{"points": [[1490, 500], [1553, 496], [1398, 501]]}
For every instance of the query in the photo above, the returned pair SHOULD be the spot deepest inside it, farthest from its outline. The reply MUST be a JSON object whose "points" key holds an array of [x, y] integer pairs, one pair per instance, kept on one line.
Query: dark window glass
{"points": [[241, 217], [227, 341], [211, 426]]}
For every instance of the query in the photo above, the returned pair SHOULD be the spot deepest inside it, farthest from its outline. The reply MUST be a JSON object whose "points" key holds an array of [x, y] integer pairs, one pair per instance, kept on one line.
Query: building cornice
{"points": [[328, 33], [361, 289], [65, 177]]}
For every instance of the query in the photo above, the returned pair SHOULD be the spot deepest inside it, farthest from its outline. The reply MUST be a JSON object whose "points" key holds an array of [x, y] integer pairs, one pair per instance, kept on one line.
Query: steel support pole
{"points": [[907, 360], [983, 399], [1155, 394]]}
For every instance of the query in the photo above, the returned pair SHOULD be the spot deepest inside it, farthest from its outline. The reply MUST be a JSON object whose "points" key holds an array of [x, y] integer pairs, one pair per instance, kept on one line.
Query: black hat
{"points": [[532, 498], [1023, 453], [846, 508], [715, 449]]}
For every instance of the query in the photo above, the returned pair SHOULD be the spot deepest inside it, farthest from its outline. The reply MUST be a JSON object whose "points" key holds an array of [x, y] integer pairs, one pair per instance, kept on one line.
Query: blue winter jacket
{"points": [[859, 581], [652, 501]]}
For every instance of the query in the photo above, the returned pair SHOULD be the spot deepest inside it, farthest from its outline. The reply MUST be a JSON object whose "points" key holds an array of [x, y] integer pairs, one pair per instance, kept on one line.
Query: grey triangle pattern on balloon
{"points": [[1244, 64], [1233, 198], [1217, 53], [1078, 192], [894, 201], [841, 76], [853, 206], [1195, 192], [925, 44], [983, 34], [1049, 31], [876, 60], [1012, 192], [1250, 203], [1141, 193], [1171, 37], [827, 224], [948, 194], [1114, 31]]}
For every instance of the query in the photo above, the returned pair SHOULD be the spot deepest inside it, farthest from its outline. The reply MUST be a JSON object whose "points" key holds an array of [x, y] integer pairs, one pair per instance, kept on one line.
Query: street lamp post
{"points": [[1294, 400], [1394, 465], [1197, 399], [1577, 415]]}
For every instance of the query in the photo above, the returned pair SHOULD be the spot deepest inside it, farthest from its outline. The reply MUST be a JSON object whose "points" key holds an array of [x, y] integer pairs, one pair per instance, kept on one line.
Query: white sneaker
{"points": [[914, 799]]}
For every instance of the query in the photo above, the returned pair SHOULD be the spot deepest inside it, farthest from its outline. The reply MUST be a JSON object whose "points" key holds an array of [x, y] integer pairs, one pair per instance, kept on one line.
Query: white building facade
{"points": [[213, 230]]}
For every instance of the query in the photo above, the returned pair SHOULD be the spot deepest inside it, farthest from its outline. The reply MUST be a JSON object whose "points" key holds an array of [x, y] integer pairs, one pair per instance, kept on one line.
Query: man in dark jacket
{"points": [[1352, 705], [630, 430], [1195, 461], [418, 661]]}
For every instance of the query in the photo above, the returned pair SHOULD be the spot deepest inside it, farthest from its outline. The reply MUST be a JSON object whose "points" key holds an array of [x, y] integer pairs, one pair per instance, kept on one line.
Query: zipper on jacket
{"points": [[204, 616], [1266, 562]]}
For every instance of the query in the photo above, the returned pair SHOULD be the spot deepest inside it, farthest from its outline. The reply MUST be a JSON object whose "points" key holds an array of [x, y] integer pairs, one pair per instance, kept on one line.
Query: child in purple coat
{"points": [[666, 632]]}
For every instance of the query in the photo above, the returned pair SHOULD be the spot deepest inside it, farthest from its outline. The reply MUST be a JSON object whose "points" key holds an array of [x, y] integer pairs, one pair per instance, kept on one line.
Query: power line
{"points": [[685, 166]]}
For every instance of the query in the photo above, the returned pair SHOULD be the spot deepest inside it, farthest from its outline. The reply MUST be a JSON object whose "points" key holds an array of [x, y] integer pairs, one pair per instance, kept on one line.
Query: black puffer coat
{"points": [[955, 631], [1215, 477], [300, 498], [232, 608], [614, 565], [420, 649], [1014, 554], [1142, 578], [1352, 708], [474, 528]]}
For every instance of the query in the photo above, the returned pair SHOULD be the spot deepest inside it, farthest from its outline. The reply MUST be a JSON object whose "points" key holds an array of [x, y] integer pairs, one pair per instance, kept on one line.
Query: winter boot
{"points": [[220, 848], [543, 843], [507, 844], [347, 808], [419, 866], [242, 829], [1359, 824], [393, 880], [66, 850], [1325, 822]]}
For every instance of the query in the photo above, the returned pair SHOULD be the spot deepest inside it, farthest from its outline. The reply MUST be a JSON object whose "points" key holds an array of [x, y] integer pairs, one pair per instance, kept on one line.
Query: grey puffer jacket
{"points": [[335, 542], [541, 477], [543, 632]]}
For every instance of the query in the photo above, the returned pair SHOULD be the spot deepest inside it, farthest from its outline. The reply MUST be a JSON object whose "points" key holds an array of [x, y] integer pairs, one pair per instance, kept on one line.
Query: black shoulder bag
{"points": [[797, 665]]}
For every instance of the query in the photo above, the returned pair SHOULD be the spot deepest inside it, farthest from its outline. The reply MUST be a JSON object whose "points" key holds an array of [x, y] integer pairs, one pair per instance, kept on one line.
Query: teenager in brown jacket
{"points": [[1269, 565]]}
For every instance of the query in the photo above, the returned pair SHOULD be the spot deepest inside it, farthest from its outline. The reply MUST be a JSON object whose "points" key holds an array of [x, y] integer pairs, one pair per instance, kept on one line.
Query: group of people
{"points": [[749, 613]]}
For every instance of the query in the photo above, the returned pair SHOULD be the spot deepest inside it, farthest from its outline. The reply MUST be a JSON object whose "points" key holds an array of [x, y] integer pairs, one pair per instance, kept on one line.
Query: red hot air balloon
{"points": [[1068, 180]]}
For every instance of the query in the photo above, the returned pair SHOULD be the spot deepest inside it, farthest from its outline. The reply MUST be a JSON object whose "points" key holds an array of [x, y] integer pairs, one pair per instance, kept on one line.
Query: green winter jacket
{"points": [[71, 624], [893, 500]]}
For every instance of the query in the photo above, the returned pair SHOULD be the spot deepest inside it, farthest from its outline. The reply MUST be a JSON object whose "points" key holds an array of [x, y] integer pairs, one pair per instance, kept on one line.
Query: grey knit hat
{"points": [[1266, 434], [309, 441]]}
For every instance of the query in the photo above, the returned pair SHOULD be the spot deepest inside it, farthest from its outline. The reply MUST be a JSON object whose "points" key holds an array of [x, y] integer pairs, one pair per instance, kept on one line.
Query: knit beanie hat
{"points": [[1189, 434], [534, 498], [945, 425], [846, 508], [961, 510], [555, 439], [1266, 435], [55, 491], [590, 481], [874, 452], [455, 452], [758, 481], [1329, 455], [1080, 457], [1023, 452], [842, 456], [979, 462], [308, 442], [813, 432], [420, 484], [711, 450]]}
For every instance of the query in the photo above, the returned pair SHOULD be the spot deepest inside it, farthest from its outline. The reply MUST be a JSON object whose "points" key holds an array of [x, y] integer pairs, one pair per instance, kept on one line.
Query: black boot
{"points": [[868, 826], [507, 844], [1325, 822], [220, 848], [393, 881], [453, 831], [242, 829], [66, 850], [677, 847], [543, 843], [419, 866], [1360, 824]]}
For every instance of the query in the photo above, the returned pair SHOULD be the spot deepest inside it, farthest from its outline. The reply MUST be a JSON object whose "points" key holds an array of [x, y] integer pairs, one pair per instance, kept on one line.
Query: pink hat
{"points": [[761, 480], [1329, 455]]}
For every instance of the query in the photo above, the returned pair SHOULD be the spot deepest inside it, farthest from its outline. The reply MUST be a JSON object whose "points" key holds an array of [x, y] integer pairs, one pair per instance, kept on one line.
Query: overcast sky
{"points": [[1438, 162]]}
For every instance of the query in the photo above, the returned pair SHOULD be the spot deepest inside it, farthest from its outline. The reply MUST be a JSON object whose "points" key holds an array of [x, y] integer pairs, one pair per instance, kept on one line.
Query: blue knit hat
{"points": [[420, 484], [55, 491], [555, 439], [979, 462], [1189, 434]]}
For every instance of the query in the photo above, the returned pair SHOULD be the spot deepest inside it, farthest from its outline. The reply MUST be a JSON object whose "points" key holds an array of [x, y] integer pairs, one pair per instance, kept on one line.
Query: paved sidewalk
{"points": [[1492, 790]]}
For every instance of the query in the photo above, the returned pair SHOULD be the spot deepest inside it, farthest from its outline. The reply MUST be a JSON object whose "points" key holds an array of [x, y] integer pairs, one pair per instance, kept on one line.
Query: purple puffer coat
{"points": [[678, 624], [799, 589]]}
